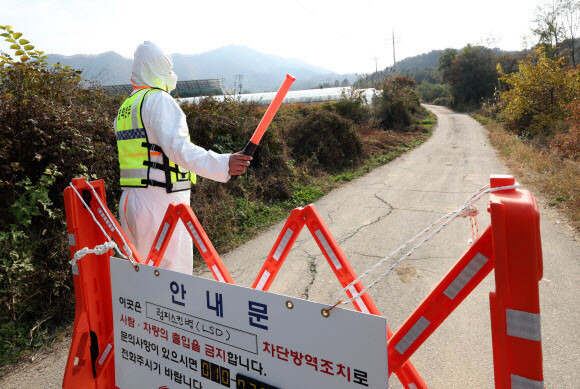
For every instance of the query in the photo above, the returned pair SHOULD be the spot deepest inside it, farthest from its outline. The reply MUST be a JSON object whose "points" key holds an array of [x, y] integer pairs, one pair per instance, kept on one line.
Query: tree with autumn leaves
{"points": [[535, 99]]}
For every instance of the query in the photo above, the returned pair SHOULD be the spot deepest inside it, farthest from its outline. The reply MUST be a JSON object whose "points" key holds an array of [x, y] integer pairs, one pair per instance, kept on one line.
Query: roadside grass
{"points": [[555, 177]]}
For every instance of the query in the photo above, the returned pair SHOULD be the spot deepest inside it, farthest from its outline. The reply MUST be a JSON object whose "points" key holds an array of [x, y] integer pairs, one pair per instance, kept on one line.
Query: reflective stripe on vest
{"points": [[134, 152]]}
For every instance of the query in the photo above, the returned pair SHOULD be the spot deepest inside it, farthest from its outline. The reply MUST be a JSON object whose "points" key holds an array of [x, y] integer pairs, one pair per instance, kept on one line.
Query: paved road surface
{"points": [[372, 216]]}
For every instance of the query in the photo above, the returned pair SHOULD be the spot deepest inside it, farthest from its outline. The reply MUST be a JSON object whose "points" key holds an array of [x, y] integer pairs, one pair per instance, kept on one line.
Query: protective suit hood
{"points": [[152, 67]]}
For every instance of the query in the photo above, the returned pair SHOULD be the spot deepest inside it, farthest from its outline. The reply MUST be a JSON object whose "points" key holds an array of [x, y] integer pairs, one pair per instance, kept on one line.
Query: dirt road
{"points": [[374, 215]]}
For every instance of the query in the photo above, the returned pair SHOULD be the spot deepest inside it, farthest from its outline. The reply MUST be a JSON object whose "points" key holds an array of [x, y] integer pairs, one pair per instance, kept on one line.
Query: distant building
{"points": [[190, 88]]}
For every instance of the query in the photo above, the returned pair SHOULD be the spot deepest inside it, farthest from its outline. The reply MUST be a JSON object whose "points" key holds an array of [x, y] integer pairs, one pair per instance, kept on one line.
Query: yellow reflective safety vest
{"points": [[135, 150]]}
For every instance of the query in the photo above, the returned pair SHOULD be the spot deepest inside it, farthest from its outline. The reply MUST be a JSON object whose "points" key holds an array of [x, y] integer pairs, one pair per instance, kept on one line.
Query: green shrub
{"points": [[325, 140], [52, 129], [396, 103], [353, 106], [431, 93], [226, 126], [471, 75]]}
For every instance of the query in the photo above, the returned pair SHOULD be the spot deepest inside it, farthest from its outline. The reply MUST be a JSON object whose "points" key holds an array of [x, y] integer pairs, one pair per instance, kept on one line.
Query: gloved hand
{"points": [[238, 164]]}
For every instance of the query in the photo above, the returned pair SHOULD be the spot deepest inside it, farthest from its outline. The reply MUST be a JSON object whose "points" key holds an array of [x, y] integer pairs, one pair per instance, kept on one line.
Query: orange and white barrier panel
{"points": [[515, 304], [183, 212], [511, 245], [88, 364], [309, 217]]}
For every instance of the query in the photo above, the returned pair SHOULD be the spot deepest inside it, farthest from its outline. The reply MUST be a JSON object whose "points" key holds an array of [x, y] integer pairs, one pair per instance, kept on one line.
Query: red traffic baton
{"points": [[252, 145]]}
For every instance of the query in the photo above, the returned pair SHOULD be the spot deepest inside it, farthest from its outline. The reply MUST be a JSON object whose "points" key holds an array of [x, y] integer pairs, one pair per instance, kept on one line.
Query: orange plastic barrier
{"points": [[88, 364], [310, 217], [184, 213], [465, 275], [511, 245], [515, 305]]}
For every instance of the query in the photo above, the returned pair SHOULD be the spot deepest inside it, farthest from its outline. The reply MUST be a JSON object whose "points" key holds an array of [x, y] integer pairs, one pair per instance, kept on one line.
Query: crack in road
{"points": [[344, 239], [409, 209], [365, 255], [384, 202], [336, 209], [387, 187], [312, 270], [421, 210]]}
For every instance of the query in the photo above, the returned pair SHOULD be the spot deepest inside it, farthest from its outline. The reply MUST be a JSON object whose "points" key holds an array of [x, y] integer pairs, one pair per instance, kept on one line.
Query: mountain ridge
{"points": [[261, 72]]}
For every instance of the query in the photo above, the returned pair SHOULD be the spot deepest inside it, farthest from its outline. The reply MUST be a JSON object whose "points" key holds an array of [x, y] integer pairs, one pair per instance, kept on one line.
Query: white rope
{"points": [[126, 246], [91, 212], [467, 209], [442, 219], [99, 248]]}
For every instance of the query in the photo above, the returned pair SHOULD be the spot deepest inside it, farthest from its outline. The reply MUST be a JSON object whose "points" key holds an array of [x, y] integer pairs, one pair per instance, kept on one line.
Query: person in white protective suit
{"points": [[152, 138]]}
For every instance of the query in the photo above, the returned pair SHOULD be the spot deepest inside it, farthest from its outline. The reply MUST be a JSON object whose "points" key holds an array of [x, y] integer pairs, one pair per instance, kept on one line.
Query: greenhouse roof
{"points": [[212, 86], [307, 96]]}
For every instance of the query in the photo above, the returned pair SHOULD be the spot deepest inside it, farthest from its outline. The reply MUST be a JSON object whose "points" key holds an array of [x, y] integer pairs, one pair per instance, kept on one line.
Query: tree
{"points": [[538, 93], [509, 62], [445, 63], [472, 74], [549, 28], [345, 82], [570, 14], [336, 83], [557, 22]]}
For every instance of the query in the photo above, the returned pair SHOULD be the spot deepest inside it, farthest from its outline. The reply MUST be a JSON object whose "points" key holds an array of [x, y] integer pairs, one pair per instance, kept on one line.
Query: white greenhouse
{"points": [[307, 96]]}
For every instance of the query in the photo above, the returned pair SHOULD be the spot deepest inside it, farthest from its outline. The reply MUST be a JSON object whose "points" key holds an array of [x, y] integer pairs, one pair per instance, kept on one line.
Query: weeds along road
{"points": [[375, 214]]}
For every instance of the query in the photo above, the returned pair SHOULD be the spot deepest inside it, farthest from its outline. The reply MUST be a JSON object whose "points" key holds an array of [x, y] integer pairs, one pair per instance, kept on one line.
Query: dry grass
{"points": [[554, 176], [378, 141]]}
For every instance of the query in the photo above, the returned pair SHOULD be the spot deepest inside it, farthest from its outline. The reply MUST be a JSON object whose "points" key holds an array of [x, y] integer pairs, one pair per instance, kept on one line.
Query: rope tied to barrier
{"points": [[98, 250], [468, 209], [471, 212], [110, 244]]}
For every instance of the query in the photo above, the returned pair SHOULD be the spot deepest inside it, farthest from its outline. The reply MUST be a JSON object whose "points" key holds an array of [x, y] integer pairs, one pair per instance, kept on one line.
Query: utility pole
{"points": [[376, 64], [240, 77], [394, 43], [394, 58]]}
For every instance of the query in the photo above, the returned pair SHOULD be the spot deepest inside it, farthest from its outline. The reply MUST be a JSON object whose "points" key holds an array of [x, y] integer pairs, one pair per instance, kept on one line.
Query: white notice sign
{"points": [[176, 331]]}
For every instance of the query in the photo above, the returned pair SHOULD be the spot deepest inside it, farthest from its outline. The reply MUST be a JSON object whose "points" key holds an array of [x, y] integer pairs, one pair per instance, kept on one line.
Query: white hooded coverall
{"points": [[142, 209]]}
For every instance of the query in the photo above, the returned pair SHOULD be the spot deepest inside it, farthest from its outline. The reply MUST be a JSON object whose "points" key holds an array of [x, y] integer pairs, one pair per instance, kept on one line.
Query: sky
{"points": [[342, 36]]}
